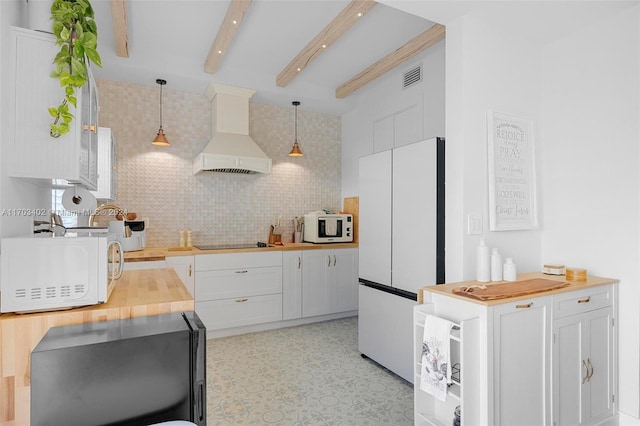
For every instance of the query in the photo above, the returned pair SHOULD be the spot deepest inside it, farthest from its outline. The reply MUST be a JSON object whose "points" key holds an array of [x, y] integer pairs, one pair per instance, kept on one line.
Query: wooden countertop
{"points": [[160, 253], [137, 293], [446, 289]]}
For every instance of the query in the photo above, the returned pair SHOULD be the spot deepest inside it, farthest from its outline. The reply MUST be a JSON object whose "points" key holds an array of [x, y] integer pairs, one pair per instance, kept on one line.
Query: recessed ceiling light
{"points": [[235, 22], [324, 46], [299, 69], [220, 52], [359, 14]]}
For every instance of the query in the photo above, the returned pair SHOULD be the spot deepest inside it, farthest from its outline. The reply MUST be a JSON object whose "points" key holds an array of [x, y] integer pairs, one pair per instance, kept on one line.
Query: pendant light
{"points": [[160, 139], [295, 151]]}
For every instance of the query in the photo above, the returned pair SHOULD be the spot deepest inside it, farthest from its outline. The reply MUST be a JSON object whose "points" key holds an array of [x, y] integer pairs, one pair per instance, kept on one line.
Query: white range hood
{"points": [[231, 149]]}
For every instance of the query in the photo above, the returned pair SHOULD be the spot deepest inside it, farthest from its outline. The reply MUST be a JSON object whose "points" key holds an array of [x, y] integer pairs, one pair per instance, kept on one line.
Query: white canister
{"points": [[509, 270], [483, 262], [496, 265]]}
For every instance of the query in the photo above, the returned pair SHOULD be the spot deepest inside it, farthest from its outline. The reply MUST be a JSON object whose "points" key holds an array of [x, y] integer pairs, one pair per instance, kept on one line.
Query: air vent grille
{"points": [[232, 170], [412, 76]]}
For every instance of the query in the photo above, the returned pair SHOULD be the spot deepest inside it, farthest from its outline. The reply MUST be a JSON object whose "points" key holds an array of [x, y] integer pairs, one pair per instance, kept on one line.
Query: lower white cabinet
{"points": [[236, 289], [543, 360], [329, 281], [291, 285], [183, 265], [583, 367]]}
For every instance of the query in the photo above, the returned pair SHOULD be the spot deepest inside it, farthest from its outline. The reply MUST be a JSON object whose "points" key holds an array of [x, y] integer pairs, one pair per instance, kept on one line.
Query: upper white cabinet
{"points": [[35, 154], [106, 165], [400, 128]]}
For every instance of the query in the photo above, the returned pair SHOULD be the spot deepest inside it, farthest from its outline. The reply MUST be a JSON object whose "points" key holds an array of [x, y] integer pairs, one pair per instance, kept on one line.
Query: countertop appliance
{"points": [[133, 371], [44, 272], [321, 227], [401, 246]]}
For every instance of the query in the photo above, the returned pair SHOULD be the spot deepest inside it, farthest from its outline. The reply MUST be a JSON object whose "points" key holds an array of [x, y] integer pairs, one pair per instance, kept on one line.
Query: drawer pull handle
{"points": [[92, 128], [299, 262], [242, 272], [585, 300], [241, 300], [528, 305], [584, 379], [190, 270], [328, 260]]}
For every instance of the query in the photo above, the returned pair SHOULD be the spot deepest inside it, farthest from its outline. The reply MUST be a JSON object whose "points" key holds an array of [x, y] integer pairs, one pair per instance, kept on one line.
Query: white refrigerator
{"points": [[401, 246]]}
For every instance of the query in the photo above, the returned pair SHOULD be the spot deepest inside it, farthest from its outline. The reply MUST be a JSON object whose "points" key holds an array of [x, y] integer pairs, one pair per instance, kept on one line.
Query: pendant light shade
{"points": [[295, 151], [160, 139]]}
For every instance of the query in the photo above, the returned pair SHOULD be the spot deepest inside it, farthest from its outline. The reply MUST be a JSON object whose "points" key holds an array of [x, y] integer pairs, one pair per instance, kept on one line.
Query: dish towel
{"points": [[331, 226], [436, 362]]}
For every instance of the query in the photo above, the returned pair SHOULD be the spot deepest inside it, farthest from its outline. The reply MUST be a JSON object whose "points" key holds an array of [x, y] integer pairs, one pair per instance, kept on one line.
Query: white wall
{"points": [[590, 116]]}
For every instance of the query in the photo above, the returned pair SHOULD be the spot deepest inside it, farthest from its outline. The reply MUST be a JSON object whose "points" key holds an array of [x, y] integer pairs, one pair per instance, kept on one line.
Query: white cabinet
{"points": [[542, 360], [237, 289], [106, 165], [583, 363], [400, 128], [183, 265], [291, 285], [34, 153], [329, 281], [521, 361]]}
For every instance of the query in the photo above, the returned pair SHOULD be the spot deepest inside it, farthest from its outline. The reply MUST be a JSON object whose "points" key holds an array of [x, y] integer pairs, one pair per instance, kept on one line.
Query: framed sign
{"points": [[512, 172]]}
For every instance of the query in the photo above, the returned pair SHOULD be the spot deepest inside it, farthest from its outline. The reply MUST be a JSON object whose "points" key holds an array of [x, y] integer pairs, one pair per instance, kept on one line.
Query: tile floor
{"points": [[305, 375]]}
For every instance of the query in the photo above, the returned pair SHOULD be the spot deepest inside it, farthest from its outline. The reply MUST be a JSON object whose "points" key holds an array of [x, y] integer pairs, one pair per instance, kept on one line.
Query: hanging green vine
{"points": [[76, 33]]}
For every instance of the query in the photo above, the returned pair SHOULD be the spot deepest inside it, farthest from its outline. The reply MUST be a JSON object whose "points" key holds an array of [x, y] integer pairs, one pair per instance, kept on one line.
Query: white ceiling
{"points": [[171, 39]]}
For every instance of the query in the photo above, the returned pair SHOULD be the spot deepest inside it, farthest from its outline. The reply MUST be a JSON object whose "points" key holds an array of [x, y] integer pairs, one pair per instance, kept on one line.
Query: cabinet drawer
{"points": [[579, 301], [236, 312], [210, 262], [213, 285]]}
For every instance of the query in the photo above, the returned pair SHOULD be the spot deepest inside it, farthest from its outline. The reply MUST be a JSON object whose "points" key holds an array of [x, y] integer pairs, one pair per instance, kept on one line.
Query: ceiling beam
{"points": [[332, 32], [230, 24], [120, 27], [403, 53]]}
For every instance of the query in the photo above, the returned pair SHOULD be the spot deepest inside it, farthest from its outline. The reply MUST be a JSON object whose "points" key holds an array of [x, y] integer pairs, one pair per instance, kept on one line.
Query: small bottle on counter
{"points": [[189, 239], [496, 265], [509, 271], [182, 243], [483, 262]]}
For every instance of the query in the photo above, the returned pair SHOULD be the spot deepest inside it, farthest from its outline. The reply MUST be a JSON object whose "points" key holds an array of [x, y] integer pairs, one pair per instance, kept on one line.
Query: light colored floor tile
{"points": [[305, 375]]}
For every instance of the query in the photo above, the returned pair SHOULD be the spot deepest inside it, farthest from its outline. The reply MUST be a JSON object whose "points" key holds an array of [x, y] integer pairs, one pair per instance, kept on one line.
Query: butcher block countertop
{"points": [[523, 280], [137, 293], [160, 253]]}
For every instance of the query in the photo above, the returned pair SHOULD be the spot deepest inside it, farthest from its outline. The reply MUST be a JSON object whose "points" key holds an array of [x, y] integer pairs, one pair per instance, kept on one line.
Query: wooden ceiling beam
{"points": [[332, 32], [403, 53], [120, 27], [230, 24]]}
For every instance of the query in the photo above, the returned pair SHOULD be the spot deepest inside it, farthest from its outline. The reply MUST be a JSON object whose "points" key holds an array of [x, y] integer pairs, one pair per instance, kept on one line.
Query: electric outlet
{"points": [[474, 224]]}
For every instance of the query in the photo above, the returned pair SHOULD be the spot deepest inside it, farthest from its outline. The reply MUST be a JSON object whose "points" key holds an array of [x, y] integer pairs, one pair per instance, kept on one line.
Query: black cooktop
{"points": [[229, 246]]}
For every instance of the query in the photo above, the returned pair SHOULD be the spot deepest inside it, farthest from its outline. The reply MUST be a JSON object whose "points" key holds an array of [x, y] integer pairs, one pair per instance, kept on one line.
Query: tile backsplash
{"points": [[158, 184]]}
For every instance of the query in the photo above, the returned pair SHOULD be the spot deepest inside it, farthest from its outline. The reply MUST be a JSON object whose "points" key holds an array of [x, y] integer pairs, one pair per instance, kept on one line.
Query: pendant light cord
{"points": [[296, 139], [161, 105]]}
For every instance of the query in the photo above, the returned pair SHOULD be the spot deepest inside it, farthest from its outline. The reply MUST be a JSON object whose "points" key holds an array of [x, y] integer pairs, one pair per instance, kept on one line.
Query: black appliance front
{"points": [[133, 371]]}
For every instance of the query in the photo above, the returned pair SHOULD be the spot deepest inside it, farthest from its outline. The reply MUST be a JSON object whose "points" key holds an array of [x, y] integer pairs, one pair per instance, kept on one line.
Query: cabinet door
{"points": [[291, 285], [583, 368], [521, 362], [183, 265], [375, 218], [316, 288], [345, 277], [106, 165], [600, 404]]}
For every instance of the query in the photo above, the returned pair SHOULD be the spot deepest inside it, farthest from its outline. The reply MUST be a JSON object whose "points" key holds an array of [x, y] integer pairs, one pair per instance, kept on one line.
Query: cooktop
{"points": [[229, 246]]}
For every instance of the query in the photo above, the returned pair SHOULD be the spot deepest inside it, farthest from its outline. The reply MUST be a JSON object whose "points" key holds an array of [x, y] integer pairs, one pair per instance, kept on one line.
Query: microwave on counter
{"points": [[42, 273], [320, 227]]}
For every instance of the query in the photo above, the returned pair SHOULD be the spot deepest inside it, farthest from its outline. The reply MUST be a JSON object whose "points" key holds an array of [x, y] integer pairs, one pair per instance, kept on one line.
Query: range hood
{"points": [[231, 149]]}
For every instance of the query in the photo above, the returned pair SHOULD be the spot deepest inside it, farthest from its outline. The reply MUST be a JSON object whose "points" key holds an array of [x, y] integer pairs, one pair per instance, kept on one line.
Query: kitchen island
{"points": [[538, 358], [137, 293]]}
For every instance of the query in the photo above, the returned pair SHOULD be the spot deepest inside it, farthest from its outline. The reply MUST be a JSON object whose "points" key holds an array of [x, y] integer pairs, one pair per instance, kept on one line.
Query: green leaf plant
{"points": [[76, 33]]}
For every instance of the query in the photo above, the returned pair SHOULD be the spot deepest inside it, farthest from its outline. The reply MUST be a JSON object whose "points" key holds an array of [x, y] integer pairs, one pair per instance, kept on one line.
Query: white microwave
{"points": [[328, 228], [42, 273]]}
